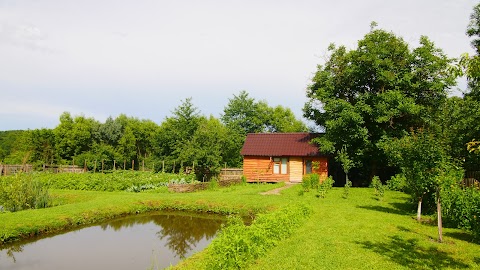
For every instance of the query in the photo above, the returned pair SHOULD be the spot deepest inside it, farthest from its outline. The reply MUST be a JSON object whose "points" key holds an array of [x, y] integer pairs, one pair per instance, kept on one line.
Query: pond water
{"points": [[135, 242]]}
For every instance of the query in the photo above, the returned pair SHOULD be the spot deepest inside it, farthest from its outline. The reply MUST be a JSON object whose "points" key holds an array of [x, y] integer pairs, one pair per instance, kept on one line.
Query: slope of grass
{"points": [[362, 232]]}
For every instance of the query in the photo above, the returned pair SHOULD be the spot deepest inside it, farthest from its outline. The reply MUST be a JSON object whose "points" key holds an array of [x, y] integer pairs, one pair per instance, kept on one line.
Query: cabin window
{"points": [[280, 165], [308, 166]]}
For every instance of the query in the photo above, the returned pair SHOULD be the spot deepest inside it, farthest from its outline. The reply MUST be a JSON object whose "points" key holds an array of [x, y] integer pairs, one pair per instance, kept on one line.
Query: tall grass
{"points": [[238, 245], [22, 191]]}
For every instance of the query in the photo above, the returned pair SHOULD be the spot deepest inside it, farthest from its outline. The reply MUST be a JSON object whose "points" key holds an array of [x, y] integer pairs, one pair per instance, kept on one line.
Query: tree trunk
{"points": [[439, 217], [419, 209]]}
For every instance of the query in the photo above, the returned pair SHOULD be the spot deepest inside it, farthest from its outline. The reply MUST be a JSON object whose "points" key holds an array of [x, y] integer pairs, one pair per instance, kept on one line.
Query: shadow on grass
{"points": [[464, 236], [384, 209], [407, 253]]}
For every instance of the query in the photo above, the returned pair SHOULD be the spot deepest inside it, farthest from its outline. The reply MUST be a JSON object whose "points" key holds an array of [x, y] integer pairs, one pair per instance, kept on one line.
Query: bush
{"points": [[213, 184], [21, 192], [310, 181], [461, 205], [238, 245], [325, 186], [397, 182], [244, 180], [378, 186]]}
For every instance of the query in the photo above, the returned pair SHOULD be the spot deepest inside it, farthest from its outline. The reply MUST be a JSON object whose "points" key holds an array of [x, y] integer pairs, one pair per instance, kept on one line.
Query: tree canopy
{"points": [[379, 90]]}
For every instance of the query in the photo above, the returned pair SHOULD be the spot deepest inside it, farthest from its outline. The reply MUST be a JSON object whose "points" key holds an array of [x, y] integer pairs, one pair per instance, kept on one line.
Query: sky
{"points": [[143, 58]]}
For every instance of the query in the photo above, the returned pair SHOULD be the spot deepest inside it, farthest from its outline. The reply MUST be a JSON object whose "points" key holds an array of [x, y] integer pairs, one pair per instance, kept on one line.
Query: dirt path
{"points": [[277, 190]]}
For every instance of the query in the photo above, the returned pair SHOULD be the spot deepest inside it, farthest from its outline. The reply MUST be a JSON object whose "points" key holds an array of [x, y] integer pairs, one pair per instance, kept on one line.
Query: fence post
{"points": [[133, 164], [143, 165], [114, 168], [102, 165], [163, 166], [174, 166], [95, 166]]}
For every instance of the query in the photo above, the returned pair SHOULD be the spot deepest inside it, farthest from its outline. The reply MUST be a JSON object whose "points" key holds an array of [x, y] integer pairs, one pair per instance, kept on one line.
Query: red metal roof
{"points": [[280, 144]]}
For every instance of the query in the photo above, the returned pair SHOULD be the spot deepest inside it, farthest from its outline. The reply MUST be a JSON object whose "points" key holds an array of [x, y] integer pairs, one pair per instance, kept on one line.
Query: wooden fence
{"points": [[13, 169], [63, 168], [227, 174], [472, 179]]}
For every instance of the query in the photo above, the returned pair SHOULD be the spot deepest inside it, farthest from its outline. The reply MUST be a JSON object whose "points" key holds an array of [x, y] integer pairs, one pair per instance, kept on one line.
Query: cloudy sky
{"points": [[141, 58]]}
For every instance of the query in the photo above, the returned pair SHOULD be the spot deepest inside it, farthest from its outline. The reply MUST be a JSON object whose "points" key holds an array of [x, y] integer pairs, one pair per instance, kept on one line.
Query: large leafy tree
{"points": [[378, 91], [73, 136], [177, 131], [246, 115]]}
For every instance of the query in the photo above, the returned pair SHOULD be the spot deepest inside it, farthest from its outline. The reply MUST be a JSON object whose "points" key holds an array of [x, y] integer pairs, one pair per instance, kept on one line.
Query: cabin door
{"points": [[296, 169]]}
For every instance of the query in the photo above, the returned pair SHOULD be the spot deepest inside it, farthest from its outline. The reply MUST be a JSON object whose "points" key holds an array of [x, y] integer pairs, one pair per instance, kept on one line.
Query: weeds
{"points": [[21, 192]]}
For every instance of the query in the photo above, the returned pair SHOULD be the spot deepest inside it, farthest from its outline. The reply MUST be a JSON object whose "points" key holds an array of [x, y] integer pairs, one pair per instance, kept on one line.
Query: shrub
{"points": [[213, 184], [397, 182], [461, 205], [21, 192], [244, 180], [378, 186], [310, 181], [325, 186], [238, 245]]}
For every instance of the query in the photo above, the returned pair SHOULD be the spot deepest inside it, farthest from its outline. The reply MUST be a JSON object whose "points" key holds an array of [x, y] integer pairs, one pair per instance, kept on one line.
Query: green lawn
{"points": [[360, 232]]}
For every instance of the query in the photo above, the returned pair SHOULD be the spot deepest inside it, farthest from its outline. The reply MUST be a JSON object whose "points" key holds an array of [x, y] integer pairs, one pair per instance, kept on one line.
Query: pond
{"points": [[135, 242]]}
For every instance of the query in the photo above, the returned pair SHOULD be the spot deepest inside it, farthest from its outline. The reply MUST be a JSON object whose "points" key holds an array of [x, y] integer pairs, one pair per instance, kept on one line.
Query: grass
{"points": [[360, 232]]}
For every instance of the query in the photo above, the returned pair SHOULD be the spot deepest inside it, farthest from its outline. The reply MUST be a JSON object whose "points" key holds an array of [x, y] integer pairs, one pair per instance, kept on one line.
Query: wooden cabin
{"points": [[282, 157]]}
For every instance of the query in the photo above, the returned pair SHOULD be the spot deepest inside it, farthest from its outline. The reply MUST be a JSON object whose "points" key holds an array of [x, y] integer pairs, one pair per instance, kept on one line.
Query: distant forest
{"points": [[185, 138]]}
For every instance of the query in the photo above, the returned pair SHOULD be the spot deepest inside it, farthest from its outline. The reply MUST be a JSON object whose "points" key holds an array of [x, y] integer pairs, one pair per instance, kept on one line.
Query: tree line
{"points": [[187, 137]]}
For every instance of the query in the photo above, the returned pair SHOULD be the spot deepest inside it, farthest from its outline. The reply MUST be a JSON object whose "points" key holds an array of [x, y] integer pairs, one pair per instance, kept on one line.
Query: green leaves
{"points": [[379, 90]]}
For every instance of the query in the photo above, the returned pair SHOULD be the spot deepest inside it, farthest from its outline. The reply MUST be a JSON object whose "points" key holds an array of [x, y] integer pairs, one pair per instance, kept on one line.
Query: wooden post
{"points": [[95, 166], [143, 165], [133, 164], [193, 166], [85, 166], [163, 166], [102, 165], [114, 168], [153, 167], [124, 164], [173, 166]]}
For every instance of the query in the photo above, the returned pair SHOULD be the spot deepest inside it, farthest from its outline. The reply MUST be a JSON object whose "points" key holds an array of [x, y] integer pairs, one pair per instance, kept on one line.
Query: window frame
{"points": [[279, 167]]}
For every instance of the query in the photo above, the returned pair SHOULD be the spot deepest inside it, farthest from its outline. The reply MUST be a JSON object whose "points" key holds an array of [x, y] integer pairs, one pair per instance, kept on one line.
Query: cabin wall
{"points": [[261, 169], [322, 168]]}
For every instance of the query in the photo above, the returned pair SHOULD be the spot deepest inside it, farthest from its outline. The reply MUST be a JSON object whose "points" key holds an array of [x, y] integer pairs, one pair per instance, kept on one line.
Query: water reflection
{"points": [[127, 243], [181, 232]]}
